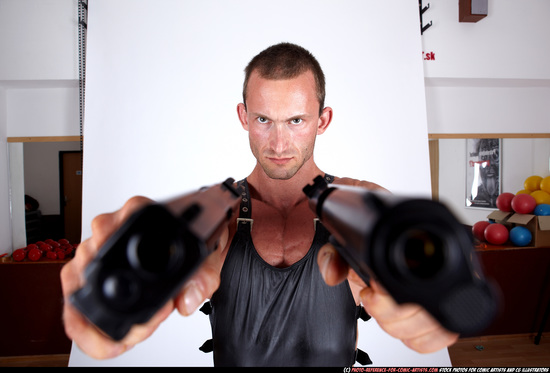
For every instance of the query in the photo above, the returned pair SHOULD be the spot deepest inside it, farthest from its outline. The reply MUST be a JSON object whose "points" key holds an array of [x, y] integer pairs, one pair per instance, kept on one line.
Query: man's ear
{"points": [[324, 120], [243, 118]]}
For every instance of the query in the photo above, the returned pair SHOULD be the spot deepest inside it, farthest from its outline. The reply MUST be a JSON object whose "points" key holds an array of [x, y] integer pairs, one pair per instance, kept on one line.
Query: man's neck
{"points": [[283, 195]]}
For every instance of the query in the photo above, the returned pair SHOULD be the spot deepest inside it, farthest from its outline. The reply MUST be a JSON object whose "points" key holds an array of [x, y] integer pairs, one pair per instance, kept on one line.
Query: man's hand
{"points": [[89, 338], [410, 323]]}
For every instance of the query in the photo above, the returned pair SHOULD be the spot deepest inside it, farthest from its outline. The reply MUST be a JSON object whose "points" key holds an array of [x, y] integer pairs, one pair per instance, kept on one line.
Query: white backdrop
{"points": [[164, 78]]}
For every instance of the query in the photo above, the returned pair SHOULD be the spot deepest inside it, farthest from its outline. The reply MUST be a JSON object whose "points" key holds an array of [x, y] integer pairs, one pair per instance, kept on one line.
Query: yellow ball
{"points": [[545, 184], [541, 197], [523, 192], [532, 183]]}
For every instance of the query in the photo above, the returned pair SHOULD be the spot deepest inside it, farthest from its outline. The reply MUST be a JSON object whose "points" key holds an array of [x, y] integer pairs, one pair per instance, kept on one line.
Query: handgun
{"points": [[145, 262], [414, 247]]}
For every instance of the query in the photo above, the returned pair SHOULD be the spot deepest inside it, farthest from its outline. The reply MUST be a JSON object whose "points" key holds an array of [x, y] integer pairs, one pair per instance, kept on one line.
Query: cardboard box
{"points": [[500, 217], [539, 226]]}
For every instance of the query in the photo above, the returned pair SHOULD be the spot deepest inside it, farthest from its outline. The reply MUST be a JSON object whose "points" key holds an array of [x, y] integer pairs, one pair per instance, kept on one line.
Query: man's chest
{"points": [[282, 240]]}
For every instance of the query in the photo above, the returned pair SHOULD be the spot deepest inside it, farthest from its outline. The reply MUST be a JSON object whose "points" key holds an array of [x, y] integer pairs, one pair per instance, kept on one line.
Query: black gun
{"points": [[414, 247], [146, 261]]}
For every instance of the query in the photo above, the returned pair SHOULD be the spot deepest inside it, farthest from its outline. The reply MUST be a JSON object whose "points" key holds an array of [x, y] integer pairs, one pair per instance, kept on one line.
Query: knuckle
{"points": [[209, 279], [132, 205], [135, 203], [100, 221]]}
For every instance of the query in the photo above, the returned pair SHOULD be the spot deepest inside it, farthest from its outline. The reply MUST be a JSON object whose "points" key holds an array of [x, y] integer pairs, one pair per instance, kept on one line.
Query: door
{"points": [[70, 164]]}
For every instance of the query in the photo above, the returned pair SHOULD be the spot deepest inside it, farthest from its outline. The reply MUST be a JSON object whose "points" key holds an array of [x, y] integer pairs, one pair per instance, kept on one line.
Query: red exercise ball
{"points": [[478, 229], [34, 254], [496, 233], [504, 202], [19, 255], [524, 203]]}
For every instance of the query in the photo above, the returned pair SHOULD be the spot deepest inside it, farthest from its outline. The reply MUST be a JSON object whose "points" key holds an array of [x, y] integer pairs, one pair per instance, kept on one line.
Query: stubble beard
{"points": [[283, 173]]}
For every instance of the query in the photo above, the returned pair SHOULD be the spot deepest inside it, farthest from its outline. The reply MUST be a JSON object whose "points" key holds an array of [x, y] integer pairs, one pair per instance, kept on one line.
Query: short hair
{"points": [[286, 61]]}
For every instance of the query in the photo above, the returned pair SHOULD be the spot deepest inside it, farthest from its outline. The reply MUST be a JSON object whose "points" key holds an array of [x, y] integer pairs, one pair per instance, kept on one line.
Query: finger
{"points": [[355, 279], [378, 288], [104, 225], [72, 273], [432, 341], [201, 285], [408, 322], [140, 332], [332, 266], [380, 305], [87, 337]]}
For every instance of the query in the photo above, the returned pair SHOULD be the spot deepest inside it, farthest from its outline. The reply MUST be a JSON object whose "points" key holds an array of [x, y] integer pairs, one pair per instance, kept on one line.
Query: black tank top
{"points": [[267, 316]]}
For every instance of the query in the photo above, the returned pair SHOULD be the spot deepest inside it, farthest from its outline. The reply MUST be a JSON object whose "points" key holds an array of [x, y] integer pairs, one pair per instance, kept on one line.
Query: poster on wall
{"points": [[483, 172]]}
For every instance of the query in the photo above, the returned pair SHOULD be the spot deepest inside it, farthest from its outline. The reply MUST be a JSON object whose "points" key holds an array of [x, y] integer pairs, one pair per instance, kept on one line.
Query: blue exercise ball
{"points": [[542, 210], [520, 236]]}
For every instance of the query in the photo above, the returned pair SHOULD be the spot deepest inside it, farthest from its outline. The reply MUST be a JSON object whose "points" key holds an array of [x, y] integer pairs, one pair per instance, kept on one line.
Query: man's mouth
{"points": [[279, 161]]}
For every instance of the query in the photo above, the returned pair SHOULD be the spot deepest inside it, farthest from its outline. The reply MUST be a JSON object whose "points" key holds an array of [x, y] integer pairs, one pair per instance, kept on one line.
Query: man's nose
{"points": [[279, 138]]}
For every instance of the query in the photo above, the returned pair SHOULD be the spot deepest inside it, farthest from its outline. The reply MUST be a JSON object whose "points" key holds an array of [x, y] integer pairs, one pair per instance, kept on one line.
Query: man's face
{"points": [[282, 119]]}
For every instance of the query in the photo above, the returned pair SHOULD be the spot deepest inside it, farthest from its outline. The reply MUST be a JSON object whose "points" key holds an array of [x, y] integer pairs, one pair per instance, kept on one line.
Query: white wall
{"points": [[52, 111], [38, 40], [488, 109]]}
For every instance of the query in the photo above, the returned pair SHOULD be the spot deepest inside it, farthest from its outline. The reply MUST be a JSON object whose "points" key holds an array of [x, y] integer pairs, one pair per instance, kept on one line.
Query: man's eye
{"points": [[262, 120], [296, 121]]}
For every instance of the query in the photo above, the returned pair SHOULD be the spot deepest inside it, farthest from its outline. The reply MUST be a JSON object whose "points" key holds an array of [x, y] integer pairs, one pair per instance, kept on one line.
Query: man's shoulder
{"points": [[359, 183]]}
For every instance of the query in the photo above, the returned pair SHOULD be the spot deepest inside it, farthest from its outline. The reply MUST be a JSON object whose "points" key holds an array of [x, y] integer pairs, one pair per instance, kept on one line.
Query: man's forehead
{"points": [[282, 97], [256, 76]]}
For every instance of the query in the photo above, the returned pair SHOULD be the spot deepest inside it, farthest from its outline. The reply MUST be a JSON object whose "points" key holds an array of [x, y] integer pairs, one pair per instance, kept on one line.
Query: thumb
{"points": [[332, 266], [201, 285]]}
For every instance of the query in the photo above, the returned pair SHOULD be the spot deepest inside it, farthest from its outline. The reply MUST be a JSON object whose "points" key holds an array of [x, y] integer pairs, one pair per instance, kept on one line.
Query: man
{"points": [[270, 305]]}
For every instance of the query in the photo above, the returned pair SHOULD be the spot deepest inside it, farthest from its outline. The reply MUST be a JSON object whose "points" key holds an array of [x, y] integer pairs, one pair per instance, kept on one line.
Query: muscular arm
{"points": [[360, 183]]}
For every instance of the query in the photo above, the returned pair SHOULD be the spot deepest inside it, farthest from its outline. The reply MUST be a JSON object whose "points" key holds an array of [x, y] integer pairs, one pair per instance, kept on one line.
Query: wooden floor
{"points": [[493, 351], [501, 351], [35, 361]]}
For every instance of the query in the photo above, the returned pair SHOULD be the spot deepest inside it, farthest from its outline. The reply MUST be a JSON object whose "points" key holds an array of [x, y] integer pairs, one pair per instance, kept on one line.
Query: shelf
{"points": [[44, 139]]}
